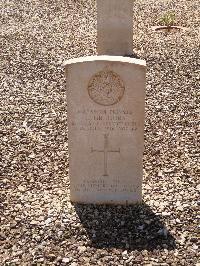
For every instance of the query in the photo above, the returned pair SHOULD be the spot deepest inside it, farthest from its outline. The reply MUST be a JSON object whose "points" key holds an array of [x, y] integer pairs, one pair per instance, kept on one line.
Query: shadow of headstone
{"points": [[124, 227], [133, 55]]}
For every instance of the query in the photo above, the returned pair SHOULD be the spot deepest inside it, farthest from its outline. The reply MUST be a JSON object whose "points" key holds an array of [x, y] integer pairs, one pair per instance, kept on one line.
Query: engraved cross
{"points": [[105, 151]]}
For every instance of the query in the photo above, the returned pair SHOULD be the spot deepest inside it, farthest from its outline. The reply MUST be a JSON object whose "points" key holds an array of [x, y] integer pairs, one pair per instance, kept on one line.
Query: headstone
{"points": [[115, 27], [106, 97]]}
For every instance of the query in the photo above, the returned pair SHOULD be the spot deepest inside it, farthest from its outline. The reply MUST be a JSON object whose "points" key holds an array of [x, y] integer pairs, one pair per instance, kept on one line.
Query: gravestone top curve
{"points": [[108, 58]]}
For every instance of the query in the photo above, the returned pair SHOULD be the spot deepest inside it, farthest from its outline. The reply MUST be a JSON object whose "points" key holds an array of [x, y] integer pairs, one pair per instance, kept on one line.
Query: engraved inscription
{"points": [[108, 120], [105, 151], [104, 185], [106, 88]]}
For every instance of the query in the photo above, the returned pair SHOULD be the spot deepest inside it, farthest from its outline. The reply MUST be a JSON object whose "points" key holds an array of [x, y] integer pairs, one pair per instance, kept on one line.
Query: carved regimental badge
{"points": [[106, 88]]}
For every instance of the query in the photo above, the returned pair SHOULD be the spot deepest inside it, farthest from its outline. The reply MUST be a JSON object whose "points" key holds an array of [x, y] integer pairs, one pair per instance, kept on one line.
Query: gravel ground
{"points": [[39, 225]]}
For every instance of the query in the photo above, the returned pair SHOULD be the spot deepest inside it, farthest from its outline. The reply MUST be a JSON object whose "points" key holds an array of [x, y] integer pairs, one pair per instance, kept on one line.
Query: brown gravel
{"points": [[39, 226]]}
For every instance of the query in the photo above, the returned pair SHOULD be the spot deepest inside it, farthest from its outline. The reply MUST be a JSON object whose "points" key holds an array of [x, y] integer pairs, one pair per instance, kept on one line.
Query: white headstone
{"points": [[115, 27], [106, 98]]}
